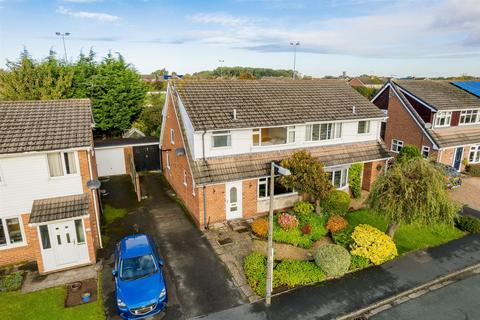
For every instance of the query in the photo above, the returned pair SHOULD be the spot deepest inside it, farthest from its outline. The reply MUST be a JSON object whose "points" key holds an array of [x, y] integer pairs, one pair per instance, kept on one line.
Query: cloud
{"points": [[218, 18], [99, 16]]}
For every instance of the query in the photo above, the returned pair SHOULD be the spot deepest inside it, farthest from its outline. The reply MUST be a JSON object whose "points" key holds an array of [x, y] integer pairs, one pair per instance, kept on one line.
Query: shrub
{"points": [[287, 221], [336, 203], [343, 238], [355, 179], [255, 266], [373, 244], [295, 236], [468, 223], [408, 152], [260, 227], [306, 229], [473, 169], [293, 273], [359, 262], [11, 282], [333, 259], [302, 208], [336, 223]]}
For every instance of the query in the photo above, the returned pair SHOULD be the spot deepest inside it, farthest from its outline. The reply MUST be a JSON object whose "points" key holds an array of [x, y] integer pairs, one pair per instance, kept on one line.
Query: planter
{"points": [[86, 296]]}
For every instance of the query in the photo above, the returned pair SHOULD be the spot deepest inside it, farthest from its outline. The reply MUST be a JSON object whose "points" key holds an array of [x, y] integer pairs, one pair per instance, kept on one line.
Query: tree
{"points": [[150, 118], [246, 75], [408, 152], [412, 191], [307, 176]]}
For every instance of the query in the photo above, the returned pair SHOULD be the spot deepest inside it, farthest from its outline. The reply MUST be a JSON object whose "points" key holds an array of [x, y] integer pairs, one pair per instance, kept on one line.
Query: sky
{"points": [[385, 37]]}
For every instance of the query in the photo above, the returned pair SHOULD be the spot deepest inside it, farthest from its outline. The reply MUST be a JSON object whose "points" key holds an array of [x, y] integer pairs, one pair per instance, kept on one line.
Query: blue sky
{"points": [[390, 38]]}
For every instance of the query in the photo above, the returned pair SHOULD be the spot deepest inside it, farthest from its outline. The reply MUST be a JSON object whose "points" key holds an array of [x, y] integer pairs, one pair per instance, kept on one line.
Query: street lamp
{"points": [[63, 35], [294, 44], [221, 67], [284, 172]]}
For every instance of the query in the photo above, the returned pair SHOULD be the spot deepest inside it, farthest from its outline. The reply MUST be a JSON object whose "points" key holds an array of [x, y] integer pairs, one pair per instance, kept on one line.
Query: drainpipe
{"points": [[94, 193], [204, 187]]}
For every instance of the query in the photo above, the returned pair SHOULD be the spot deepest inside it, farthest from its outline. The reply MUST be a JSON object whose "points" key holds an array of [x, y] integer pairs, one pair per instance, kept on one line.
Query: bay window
{"points": [[338, 177], [323, 131], [469, 117], [474, 156], [10, 232], [273, 136], [443, 118], [278, 188], [221, 139], [61, 164]]}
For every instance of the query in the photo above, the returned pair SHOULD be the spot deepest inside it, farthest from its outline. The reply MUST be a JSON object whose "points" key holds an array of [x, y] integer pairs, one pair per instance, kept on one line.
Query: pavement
{"points": [[458, 300], [197, 281], [355, 291], [468, 192]]}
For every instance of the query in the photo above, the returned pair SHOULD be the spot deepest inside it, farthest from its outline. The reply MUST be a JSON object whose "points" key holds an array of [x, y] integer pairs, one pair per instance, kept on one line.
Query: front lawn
{"points": [[407, 237], [46, 305]]}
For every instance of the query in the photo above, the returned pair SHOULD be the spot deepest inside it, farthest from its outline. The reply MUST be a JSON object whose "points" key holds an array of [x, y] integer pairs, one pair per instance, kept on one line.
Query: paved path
{"points": [[197, 282], [334, 298], [468, 193], [455, 301]]}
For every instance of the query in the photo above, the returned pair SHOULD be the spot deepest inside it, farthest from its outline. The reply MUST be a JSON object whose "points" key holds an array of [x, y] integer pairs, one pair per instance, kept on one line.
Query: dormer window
{"points": [[221, 139], [443, 118], [363, 127], [273, 136], [323, 131], [61, 164], [469, 117]]}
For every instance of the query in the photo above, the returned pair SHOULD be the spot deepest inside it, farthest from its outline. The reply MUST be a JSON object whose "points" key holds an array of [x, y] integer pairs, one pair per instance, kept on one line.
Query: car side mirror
{"points": [[114, 273], [161, 263]]}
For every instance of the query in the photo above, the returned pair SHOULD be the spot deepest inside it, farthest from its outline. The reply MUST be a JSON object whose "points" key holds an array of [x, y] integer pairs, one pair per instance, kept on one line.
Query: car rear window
{"points": [[137, 267]]}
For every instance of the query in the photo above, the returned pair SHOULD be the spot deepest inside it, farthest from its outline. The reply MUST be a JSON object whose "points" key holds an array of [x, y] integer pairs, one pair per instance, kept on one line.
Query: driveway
{"points": [[468, 193], [197, 282]]}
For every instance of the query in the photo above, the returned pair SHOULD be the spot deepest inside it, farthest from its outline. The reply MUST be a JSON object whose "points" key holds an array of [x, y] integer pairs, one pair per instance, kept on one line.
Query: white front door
{"points": [[64, 240], [233, 197]]}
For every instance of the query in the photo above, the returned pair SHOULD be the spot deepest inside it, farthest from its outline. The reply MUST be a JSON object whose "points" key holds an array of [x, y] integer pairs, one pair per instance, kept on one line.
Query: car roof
{"points": [[135, 245]]}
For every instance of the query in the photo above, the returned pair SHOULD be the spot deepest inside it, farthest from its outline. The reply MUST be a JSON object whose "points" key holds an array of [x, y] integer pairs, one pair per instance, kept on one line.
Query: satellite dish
{"points": [[93, 184], [428, 125]]}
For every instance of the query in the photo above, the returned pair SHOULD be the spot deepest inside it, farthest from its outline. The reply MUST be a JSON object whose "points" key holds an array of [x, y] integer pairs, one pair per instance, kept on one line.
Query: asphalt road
{"points": [[458, 300]]}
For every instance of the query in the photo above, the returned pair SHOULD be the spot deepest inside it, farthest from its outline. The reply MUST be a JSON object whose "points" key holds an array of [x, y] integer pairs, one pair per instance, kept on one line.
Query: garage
{"points": [[114, 156]]}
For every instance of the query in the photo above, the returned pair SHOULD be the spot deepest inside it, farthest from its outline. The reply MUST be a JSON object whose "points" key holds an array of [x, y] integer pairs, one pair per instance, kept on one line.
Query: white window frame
{"points": [[9, 245], [291, 130], [64, 167], [474, 154], [264, 181], [185, 177], [172, 136], [344, 171], [167, 162], [425, 151], [367, 127], [220, 133], [258, 132], [470, 112], [446, 116], [335, 133], [397, 143]]}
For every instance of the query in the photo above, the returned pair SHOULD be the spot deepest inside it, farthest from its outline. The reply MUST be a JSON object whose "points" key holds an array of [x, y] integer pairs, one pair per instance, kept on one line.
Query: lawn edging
{"points": [[424, 287]]}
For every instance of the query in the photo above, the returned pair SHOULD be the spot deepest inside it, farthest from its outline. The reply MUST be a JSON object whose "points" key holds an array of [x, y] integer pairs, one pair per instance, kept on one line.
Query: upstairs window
{"points": [[474, 156], [397, 145], [61, 164], [425, 151], [469, 117], [273, 136], [221, 139], [363, 127], [323, 131], [443, 118]]}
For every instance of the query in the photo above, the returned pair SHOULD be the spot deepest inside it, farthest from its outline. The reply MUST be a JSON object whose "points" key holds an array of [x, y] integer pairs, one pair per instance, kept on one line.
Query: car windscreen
{"points": [[137, 267]]}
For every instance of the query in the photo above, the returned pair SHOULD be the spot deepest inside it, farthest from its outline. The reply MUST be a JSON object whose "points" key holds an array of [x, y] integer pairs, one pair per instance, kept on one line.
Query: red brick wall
{"points": [[215, 196], [26, 253], [370, 172], [249, 198], [401, 126], [446, 156]]}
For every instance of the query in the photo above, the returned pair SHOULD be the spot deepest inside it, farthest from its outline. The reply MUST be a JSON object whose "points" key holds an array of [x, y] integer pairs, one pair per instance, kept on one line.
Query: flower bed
{"points": [[295, 236]]}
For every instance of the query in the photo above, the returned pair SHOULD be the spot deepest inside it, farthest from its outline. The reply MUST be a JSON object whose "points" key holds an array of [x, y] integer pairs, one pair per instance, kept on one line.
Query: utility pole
{"points": [[221, 67], [294, 44], [63, 35]]}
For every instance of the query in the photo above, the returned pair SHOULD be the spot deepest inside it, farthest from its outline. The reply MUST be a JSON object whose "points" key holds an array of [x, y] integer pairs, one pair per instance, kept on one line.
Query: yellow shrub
{"points": [[373, 244], [260, 227]]}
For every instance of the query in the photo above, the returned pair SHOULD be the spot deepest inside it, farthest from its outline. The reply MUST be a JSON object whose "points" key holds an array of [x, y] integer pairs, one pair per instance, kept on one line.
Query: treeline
{"points": [[117, 93], [245, 73]]}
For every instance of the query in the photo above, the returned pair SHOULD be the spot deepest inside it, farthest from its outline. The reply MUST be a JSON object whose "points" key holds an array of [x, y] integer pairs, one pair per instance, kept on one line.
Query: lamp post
{"points": [[294, 44], [284, 172], [63, 35], [221, 67]]}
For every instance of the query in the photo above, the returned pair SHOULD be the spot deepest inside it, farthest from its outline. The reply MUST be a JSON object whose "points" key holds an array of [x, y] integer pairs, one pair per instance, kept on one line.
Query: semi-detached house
{"points": [[438, 117], [47, 213], [219, 137]]}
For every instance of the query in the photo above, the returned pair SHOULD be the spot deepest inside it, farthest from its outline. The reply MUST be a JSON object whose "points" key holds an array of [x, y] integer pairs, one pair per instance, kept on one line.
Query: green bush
{"points": [[333, 259], [336, 203], [343, 238], [408, 152], [293, 273], [255, 267], [355, 179], [301, 208], [295, 236], [359, 262], [473, 169], [11, 282], [468, 223]]}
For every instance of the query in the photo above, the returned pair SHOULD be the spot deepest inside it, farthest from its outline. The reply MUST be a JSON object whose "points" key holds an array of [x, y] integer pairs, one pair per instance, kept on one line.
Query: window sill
{"points": [[220, 148], [64, 177], [285, 195], [14, 246]]}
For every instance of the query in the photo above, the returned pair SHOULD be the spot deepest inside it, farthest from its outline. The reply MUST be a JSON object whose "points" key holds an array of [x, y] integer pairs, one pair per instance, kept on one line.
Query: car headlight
{"points": [[121, 304], [162, 294]]}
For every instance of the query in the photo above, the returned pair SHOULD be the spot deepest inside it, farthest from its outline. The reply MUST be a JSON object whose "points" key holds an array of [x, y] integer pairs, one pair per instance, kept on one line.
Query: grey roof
{"points": [[456, 136], [210, 103], [125, 142], [51, 209], [440, 94], [254, 165], [38, 125]]}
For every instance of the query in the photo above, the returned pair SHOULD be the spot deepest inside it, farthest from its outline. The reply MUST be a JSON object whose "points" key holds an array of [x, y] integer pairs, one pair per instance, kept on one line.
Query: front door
{"points": [[233, 197], [458, 158], [64, 240]]}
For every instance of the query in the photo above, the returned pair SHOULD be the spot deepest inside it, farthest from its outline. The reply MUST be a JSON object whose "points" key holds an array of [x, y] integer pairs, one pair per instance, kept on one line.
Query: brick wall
{"points": [[249, 198], [215, 196], [447, 155], [370, 172], [26, 253]]}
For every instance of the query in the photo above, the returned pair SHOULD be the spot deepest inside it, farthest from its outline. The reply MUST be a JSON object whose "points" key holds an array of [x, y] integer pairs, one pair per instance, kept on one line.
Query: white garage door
{"points": [[110, 162]]}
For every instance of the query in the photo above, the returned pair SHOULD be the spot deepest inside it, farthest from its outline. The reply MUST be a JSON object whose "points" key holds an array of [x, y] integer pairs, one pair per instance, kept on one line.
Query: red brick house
{"points": [[441, 119], [219, 137], [47, 213]]}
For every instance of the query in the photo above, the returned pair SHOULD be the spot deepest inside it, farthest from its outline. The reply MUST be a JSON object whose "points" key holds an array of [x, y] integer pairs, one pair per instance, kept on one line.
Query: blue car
{"points": [[139, 282]]}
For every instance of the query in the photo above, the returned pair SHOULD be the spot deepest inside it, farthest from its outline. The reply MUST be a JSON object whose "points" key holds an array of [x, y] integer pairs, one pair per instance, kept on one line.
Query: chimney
{"points": [[354, 110], [234, 114]]}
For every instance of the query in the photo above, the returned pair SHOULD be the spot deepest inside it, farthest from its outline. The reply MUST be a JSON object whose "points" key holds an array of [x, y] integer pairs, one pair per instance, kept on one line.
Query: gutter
{"points": [[204, 187], [94, 193]]}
